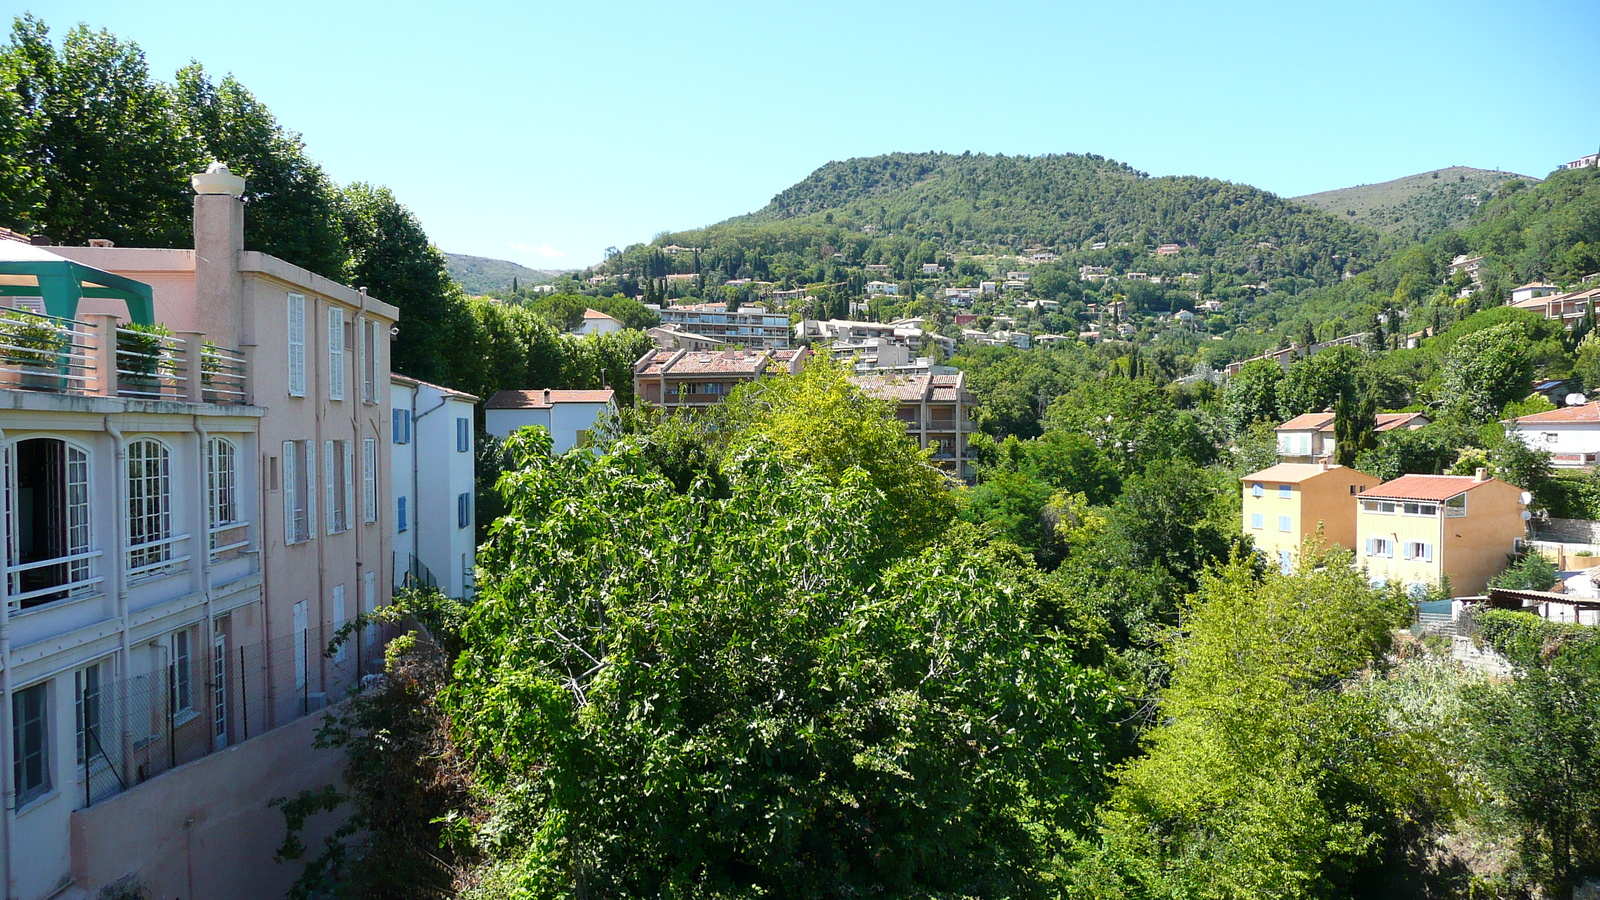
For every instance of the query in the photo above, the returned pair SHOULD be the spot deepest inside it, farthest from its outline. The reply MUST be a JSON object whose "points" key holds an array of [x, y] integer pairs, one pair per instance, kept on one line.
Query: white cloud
{"points": [[541, 249]]}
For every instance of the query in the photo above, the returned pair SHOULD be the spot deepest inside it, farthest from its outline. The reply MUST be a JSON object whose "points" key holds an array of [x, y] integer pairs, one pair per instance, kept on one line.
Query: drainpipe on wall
{"points": [[6, 771], [203, 552], [118, 580]]}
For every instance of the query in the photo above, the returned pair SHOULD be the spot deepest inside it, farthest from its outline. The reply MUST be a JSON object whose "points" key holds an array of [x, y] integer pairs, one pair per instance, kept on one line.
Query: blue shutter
{"points": [[394, 422], [463, 509], [402, 513]]}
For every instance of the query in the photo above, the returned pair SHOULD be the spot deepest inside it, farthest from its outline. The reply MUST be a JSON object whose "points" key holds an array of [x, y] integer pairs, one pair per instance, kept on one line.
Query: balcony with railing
{"points": [[98, 356]]}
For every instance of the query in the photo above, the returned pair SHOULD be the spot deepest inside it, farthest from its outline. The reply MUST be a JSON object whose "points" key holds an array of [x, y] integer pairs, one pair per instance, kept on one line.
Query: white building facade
{"points": [[434, 476]]}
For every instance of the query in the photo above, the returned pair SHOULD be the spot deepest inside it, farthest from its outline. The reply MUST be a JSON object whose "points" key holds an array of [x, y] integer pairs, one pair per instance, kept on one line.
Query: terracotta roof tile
{"points": [[1425, 487], [1294, 473], [1569, 415], [545, 399]]}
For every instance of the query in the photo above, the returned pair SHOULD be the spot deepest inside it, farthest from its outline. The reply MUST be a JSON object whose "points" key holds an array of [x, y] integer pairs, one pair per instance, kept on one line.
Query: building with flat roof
{"points": [[748, 326], [568, 416]]}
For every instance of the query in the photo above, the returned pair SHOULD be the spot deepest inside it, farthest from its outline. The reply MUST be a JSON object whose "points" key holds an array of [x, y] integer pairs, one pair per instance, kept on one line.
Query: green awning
{"points": [[29, 271]]}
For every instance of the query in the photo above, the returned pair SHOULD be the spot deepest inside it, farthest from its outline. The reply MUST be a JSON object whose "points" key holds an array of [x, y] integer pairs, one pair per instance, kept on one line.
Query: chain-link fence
{"points": [[196, 702]]}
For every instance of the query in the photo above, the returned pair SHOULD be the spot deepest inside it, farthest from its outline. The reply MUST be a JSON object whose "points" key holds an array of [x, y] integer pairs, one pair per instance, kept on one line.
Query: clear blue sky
{"points": [[544, 132]]}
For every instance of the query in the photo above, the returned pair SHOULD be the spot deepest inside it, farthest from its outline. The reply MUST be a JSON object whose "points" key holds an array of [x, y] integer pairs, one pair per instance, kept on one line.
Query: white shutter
{"points": [[361, 358], [311, 488], [1407, 552], [291, 481], [369, 479], [328, 484], [1427, 553], [335, 354], [1369, 546], [297, 345], [349, 510]]}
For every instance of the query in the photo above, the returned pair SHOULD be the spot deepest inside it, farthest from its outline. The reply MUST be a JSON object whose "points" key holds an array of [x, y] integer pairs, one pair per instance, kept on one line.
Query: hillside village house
{"points": [[1565, 307], [568, 416], [882, 289], [1571, 435], [936, 410], [1288, 502], [1308, 438], [1533, 291], [1424, 530], [188, 520], [433, 477], [597, 322], [675, 379], [671, 337]]}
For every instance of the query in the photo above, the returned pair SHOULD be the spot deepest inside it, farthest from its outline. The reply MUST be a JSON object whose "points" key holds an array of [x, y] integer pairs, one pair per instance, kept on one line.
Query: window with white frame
{"points": [[463, 434], [1456, 507], [1380, 547], [1284, 491], [30, 743], [338, 484], [180, 673], [86, 686], [1283, 523], [297, 345], [369, 480], [1419, 509], [1257, 520], [222, 492], [300, 639], [1285, 562], [402, 426], [336, 361], [1257, 490], [299, 482], [149, 508], [1420, 551], [371, 360], [46, 486]]}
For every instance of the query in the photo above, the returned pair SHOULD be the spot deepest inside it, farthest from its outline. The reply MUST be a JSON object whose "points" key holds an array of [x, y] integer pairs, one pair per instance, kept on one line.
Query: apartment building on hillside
{"points": [[189, 518], [675, 379], [936, 411], [748, 326]]}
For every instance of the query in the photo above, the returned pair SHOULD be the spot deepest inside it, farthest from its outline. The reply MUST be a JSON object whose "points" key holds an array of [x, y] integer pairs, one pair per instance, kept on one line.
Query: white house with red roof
{"points": [[597, 322], [1308, 438], [569, 416], [434, 474], [1571, 435]]}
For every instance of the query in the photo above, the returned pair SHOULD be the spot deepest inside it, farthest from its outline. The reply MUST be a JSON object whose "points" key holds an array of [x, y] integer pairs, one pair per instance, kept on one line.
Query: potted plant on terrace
{"points": [[33, 344], [139, 355]]}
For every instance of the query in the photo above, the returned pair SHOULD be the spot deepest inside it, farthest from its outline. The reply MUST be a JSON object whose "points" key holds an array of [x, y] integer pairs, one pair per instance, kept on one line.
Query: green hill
{"points": [[903, 209], [479, 274], [1415, 207]]}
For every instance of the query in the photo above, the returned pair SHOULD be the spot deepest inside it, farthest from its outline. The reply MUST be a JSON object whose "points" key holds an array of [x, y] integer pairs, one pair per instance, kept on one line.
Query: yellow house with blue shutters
{"points": [[1425, 530], [1288, 502]]}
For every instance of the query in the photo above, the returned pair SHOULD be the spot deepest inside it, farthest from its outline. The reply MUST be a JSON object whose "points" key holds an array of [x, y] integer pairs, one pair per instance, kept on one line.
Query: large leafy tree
{"points": [[1539, 743], [820, 420], [292, 203], [390, 256], [709, 693], [1269, 776], [1251, 396], [100, 149], [1486, 370]]}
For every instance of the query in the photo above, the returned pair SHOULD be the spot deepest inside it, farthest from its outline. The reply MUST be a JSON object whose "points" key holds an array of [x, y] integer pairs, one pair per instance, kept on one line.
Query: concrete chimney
{"points": [[1480, 475], [218, 241]]}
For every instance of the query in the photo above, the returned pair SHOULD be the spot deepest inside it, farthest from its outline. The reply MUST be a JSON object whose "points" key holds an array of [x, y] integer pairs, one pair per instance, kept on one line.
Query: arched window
{"points": [[46, 483], [149, 508], [222, 491]]}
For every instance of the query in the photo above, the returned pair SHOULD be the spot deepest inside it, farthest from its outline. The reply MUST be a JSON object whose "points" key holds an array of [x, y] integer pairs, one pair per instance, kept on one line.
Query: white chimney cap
{"points": [[216, 179]]}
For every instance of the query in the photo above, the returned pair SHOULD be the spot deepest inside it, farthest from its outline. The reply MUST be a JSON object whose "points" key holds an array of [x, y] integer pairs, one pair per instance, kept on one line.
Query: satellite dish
{"points": [[1526, 498], [1526, 515], [1576, 399]]}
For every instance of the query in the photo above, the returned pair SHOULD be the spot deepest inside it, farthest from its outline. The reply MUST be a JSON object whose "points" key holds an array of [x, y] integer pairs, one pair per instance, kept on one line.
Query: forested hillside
{"points": [[480, 275], [1415, 207], [905, 206]]}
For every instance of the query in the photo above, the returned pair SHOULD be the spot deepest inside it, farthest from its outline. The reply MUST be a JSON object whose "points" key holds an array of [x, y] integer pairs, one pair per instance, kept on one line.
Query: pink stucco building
{"points": [[189, 518]]}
